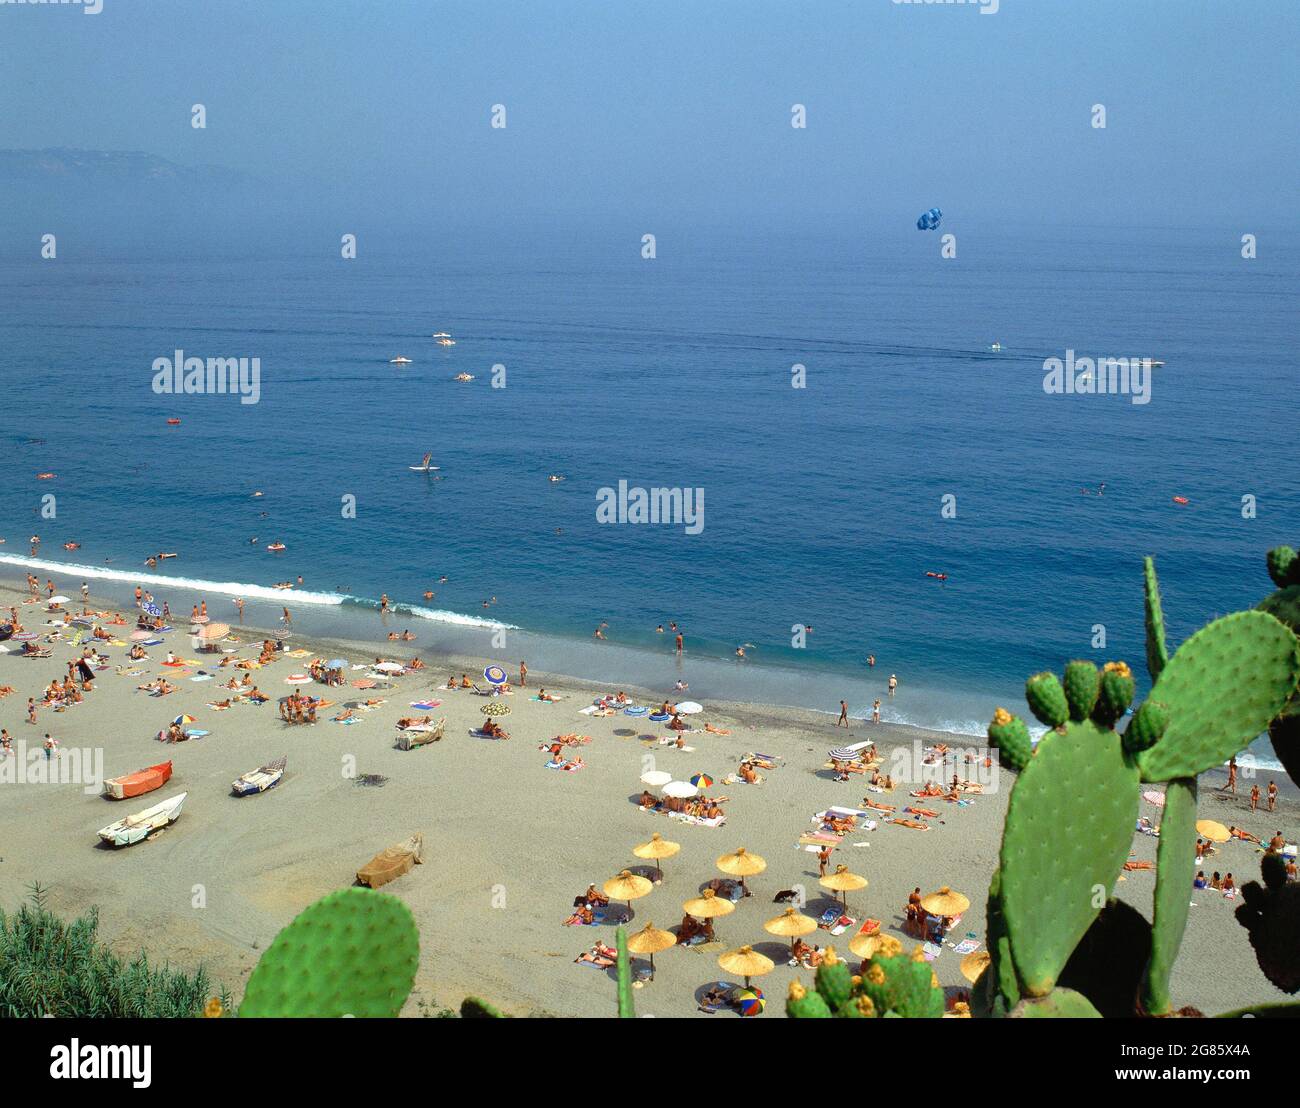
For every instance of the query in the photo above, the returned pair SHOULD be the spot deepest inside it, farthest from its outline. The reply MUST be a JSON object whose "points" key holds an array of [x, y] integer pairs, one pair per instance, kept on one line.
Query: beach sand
{"points": [[508, 843]]}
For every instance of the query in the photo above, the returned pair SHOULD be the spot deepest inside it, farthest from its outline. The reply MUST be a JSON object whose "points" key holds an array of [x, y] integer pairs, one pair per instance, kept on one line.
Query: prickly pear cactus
{"points": [[352, 953], [892, 984], [1060, 1003], [1157, 653], [1175, 869], [626, 1008], [472, 1008], [1222, 688], [1284, 605], [1272, 916]]}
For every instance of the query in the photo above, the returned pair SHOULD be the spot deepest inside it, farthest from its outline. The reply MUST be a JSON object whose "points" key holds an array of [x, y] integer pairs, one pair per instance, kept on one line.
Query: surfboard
{"points": [[422, 469]]}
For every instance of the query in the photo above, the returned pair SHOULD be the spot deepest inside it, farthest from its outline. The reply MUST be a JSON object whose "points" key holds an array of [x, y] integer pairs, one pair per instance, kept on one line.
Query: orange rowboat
{"points": [[140, 782]]}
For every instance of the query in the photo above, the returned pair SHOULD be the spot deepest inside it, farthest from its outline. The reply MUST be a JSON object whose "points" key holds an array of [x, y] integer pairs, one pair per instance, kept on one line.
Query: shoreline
{"points": [[508, 842]]}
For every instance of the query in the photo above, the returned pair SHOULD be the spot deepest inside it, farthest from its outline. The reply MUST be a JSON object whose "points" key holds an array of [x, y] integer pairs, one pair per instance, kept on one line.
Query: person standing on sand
{"points": [[31, 709], [523, 674], [1254, 798], [1231, 786], [85, 592], [844, 714], [1272, 795], [875, 711], [893, 683], [823, 860], [286, 618]]}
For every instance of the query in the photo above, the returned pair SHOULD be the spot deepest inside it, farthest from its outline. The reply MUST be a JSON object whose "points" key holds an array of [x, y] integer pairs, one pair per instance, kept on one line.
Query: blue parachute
{"points": [[929, 221]]}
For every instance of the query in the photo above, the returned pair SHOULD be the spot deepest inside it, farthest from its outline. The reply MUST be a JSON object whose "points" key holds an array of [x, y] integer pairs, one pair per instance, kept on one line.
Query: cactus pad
{"points": [[1157, 652], [1010, 735], [1145, 729], [1283, 566], [834, 980], [1175, 868], [1115, 693], [1069, 826], [902, 985], [1223, 687], [1081, 688], [1058, 1004], [801, 1004], [623, 972], [352, 953], [1272, 916]]}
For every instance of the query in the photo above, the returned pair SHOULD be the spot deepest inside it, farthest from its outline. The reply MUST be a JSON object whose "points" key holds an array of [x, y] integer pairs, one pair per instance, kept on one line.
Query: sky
{"points": [[681, 109]]}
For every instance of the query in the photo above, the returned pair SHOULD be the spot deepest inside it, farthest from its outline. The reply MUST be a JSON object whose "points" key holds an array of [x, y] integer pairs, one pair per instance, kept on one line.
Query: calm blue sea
{"points": [[822, 504]]}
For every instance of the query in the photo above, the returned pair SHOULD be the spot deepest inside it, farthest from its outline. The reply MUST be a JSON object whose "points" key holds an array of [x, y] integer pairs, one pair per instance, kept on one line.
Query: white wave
{"points": [[235, 588]]}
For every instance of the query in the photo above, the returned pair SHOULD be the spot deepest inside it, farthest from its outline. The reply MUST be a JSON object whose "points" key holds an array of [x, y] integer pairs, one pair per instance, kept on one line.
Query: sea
{"points": [[852, 410]]}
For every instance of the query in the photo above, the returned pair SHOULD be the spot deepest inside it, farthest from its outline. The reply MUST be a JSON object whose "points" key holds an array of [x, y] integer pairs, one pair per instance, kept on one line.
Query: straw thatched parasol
{"points": [[746, 962], [842, 881], [974, 964], [657, 848], [649, 940], [627, 886], [945, 903], [790, 924], [868, 946], [1212, 830], [740, 863], [708, 906]]}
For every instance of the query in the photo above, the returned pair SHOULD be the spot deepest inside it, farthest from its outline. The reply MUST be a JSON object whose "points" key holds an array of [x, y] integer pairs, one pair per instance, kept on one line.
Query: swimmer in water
{"points": [[383, 603]]}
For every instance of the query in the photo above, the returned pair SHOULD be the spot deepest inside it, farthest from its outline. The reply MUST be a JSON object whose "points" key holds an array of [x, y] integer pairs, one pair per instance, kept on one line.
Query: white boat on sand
{"points": [[140, 826]]}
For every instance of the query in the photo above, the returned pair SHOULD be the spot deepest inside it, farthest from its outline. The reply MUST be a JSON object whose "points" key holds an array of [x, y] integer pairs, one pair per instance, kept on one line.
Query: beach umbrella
{"points": [[689, 708], [25, 636], [60, 599], [790, 924], [1206, 828], [183, 719], [701, 780], [627, 886], [842, 881], [496, 708], [1154, 796], [151, 608], [740, 863], [214, 631], [750, 1002], [869, 945], [136, 636], [974, 964], [495, 675], [656, 849], [649, 940], [297, 679], [337, 663], [843, 753], [708, 905], [656, 777], [746, 962], [363, 684], [945, 903], [388, 667], [680, 789]]}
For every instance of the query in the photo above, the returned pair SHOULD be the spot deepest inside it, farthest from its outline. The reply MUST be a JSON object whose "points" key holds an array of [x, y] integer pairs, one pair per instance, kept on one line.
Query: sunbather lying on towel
{"points": [[716, 730], [916, 823], [599, 955]]}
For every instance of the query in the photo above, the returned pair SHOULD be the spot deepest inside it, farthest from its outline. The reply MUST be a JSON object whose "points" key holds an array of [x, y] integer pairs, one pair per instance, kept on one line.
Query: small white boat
{"points": [[259, 780], [399, 360], [140, 826], [441, 335]]}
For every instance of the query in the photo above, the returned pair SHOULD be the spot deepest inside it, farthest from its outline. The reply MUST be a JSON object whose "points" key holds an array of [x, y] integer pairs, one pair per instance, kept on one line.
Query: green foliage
{"points": [[1157, 653], [352, 953], [1175, 869], [892, 984], [52, 968], [626, 1009], [472, 1008]]}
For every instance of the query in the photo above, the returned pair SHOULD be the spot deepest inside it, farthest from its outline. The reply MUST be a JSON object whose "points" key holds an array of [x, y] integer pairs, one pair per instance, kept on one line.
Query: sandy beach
{"points": [[508, 843]]}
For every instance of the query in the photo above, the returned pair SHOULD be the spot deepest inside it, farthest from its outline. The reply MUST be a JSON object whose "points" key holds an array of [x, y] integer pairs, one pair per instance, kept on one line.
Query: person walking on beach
{"points": [[823, 860], [31, 709], [875, 711], [893, 683], [286, 618], [1272, 795], [1231, 785], [523, 674], [139, 595], [1254, 798], [239, 604], [51, 746], [844, 714], [85, 592]]}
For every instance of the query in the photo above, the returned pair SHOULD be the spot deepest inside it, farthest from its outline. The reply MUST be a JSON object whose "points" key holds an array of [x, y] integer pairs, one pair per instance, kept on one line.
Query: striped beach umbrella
{"points": [[701, 780], [842, 754], [750, 1002], [151, 608], [182, 720], [494, 675]]}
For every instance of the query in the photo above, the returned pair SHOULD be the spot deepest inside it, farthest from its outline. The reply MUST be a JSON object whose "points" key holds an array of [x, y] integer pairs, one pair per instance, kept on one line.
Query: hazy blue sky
{"points": [[676, 107]]}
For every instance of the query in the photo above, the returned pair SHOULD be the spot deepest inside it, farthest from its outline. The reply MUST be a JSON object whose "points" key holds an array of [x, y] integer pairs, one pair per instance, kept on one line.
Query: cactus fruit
{"points": [[1157, 652], [1283, 566], [1175, 868], [1010, 735], [1069, 825], [1058, 1004], [834, 980], [1047, 699], [1272, 916], [626, 1009], [472, 1008], [894, 984], [352, 953], [1145, 729], [1223, 687], [1114, 694], [1081, 687]]}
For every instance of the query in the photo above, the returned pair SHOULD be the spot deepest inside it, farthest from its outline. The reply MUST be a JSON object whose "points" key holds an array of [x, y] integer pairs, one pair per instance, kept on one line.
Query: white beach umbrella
{"points": [[389, 667], [689, 708], [58, 599], [656, 777], [680, 789]]}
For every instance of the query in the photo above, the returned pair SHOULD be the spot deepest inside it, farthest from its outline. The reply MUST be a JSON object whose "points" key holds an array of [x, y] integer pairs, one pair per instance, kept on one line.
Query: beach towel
{"points": [[589, 710], [966, 946], [931, 951], [201, 677], [347, 722], [426, 705]]}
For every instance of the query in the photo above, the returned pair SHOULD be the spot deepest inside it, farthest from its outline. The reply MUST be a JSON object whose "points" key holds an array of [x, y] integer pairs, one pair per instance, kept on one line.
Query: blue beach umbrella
{"points": [[494, 675], [152, 609], [338, 663]]}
